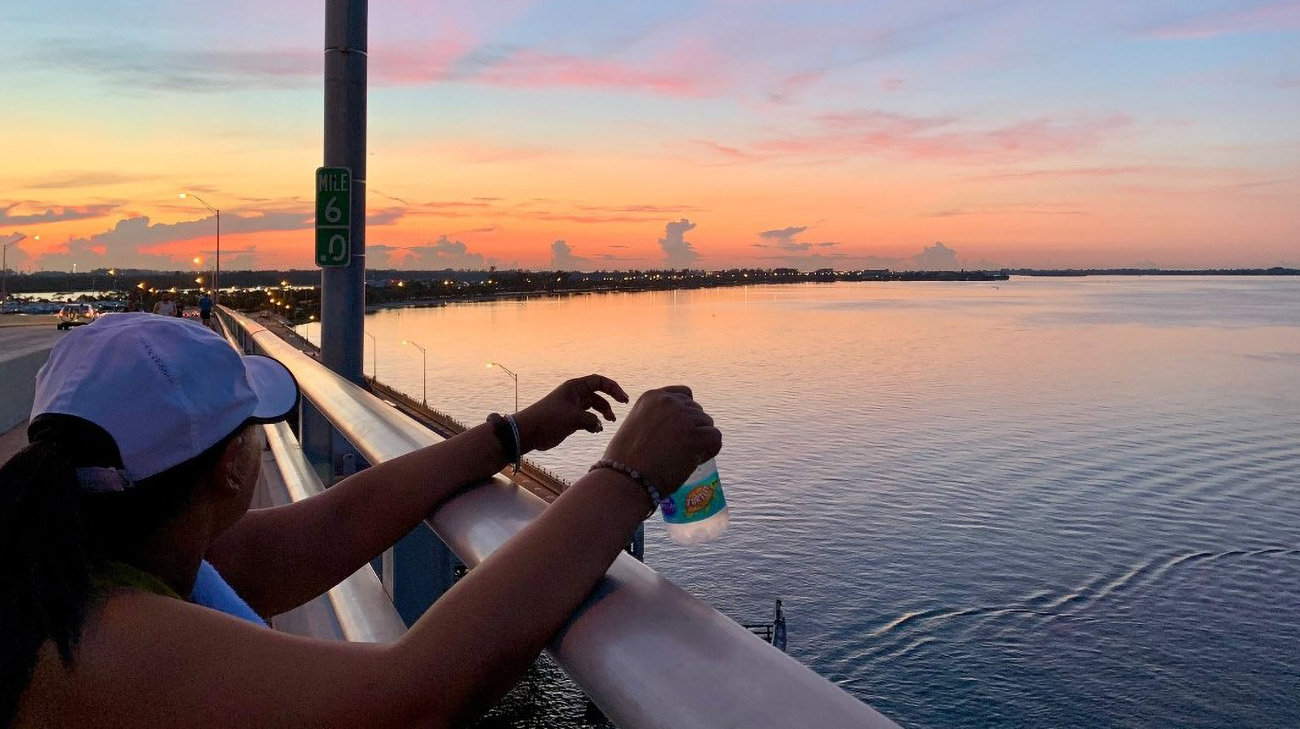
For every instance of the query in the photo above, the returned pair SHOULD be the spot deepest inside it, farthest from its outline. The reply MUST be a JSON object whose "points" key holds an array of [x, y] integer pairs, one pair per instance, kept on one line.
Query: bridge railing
{"points": [[357, 608], [647, 653]]}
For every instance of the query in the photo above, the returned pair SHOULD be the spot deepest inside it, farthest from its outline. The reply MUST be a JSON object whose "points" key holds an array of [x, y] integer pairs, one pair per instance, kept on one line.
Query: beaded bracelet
{"points": [[644, 482]]}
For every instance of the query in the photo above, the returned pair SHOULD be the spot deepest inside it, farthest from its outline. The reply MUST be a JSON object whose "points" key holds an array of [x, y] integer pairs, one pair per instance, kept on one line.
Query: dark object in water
{"points": [[773, 632]]}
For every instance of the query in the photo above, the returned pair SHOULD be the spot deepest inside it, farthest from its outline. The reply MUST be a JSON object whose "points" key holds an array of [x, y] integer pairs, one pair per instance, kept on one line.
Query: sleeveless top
{"points": [[210, 589]]}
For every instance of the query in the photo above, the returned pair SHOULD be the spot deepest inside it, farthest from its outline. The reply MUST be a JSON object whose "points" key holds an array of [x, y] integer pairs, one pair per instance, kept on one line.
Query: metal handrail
{"points": [[358, 605], [358, 608], [645, 651]]}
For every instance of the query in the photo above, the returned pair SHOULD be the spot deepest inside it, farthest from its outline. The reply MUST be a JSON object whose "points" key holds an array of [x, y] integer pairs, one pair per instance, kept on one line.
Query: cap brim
{"points": [[276, 390]]}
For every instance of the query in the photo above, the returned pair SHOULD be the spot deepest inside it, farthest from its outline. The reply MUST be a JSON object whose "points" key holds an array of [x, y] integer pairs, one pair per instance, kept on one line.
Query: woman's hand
{"points": [[547, 422], [665, 437]]}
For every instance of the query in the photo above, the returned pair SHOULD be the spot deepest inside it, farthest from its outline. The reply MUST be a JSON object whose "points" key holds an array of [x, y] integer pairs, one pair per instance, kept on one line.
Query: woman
{"points": [[137, 483]]}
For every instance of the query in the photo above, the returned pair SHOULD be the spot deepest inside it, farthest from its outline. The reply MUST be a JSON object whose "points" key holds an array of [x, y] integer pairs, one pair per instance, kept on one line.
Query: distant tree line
{"points": [[295, 293]]}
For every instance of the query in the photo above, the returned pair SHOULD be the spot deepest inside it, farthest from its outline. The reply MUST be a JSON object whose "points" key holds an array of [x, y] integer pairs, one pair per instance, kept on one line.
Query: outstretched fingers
{"points": [[602, 405], [600, 383]]}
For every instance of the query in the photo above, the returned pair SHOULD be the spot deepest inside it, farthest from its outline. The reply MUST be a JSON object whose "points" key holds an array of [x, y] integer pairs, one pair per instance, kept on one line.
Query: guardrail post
{"points": [[317, 438], [422, 569]]}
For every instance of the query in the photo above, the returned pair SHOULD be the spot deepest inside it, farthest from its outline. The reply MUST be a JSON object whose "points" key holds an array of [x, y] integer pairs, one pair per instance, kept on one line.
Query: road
{"points": [[20, 336]]}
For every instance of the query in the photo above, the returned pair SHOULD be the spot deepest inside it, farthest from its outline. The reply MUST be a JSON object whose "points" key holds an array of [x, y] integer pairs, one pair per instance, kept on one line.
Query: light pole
{"points": [[424, 352], [374, 356], [513, 376], [4, 266], [216, 276]]}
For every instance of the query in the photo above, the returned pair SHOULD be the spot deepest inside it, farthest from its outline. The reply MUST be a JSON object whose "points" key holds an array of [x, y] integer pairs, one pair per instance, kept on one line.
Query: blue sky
{"points": [[1099, 133]]}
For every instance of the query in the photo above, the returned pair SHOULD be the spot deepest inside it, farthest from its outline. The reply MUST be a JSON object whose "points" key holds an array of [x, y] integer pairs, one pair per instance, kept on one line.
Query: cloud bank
{"points": [[563, 259], [678, 252]]}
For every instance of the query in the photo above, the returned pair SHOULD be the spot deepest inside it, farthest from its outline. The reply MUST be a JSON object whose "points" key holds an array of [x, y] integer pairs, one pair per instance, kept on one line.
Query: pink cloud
{"points": [[1280, 16], [791, 86], [892, 83], [1078, 172], [534, 69], [415, 66], [868, 133]]}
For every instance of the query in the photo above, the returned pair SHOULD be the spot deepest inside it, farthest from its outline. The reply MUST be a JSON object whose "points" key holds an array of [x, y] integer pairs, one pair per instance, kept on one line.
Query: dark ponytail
{"points": [[44, 567], [54, 534]]}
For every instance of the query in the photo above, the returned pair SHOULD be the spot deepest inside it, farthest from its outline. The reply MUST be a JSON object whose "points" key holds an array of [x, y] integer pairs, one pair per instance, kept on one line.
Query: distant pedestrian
{"points": [[205, 310], [180, 307], [165, 306]]}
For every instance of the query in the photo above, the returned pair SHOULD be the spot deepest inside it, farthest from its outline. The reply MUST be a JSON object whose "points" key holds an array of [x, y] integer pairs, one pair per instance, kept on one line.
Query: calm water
{"points": [[1041, 502]]}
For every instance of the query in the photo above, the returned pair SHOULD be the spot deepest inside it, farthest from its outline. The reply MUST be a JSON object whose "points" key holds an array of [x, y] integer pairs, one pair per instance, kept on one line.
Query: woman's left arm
{"points": [[281, 557]]}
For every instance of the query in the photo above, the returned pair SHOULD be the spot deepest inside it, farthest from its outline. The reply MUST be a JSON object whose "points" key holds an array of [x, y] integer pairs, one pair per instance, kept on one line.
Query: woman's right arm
{"points": [[149, 661]]}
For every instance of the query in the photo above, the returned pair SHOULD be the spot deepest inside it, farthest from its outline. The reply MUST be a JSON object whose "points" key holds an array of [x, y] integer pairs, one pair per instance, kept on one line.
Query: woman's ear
{"points": [[232, 470]]}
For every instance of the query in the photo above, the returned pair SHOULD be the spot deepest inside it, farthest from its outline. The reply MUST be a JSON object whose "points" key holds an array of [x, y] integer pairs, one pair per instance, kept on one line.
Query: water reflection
{"points": [[1045, 502]]}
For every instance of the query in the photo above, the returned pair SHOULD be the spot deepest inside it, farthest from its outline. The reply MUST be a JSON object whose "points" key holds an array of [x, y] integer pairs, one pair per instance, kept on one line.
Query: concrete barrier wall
{"points": [[18, 385]]}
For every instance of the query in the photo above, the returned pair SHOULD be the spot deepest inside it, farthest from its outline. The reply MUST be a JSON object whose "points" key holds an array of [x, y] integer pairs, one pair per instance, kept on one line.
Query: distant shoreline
{"points": [[1274, 271], [58, 282], [300, 298]]}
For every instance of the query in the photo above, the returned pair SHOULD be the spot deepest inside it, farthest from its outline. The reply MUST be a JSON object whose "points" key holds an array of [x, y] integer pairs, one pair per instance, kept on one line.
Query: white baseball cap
{"points": [[164, 388]]}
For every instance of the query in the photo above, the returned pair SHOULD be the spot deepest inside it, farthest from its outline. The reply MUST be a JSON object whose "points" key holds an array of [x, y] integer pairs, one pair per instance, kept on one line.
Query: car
{"points": [[75, 315]]}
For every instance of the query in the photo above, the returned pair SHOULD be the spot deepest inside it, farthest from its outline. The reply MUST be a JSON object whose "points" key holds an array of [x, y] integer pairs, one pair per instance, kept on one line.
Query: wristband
{"points": [[519, 444], [507, 433], [641, 480]]}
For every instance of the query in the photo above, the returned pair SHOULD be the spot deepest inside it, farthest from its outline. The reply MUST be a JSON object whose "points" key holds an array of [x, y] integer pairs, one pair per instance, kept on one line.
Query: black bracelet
{"points": [[507, 433], [650, 489]]}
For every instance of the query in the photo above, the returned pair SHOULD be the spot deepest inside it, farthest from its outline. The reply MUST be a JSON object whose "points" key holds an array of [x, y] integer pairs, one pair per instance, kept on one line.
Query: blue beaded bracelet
{"points": [[650, 489]]}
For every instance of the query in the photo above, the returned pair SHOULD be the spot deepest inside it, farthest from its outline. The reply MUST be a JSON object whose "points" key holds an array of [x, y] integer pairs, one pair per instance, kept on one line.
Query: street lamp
{"points": [[424, 352], [374, 355], [198, 261], [216, 275], [307, 328], [4, 266], [513, 376]]}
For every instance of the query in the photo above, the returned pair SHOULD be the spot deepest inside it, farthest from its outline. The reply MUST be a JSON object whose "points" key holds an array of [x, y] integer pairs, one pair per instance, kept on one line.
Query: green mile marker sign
{"points": [[333, 216]]}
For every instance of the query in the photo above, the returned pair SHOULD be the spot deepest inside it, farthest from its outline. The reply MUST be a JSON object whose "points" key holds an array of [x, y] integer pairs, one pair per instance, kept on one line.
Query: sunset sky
{"points": [[637, 135]]}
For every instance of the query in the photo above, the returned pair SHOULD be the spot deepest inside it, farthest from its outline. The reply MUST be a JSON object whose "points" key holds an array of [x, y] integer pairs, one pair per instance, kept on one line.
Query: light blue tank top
{"points": [[212, 591]]}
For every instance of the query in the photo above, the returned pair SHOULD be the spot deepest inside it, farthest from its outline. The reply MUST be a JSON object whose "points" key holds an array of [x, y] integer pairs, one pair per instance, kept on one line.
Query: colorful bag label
{"points": [[695, 501]]}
